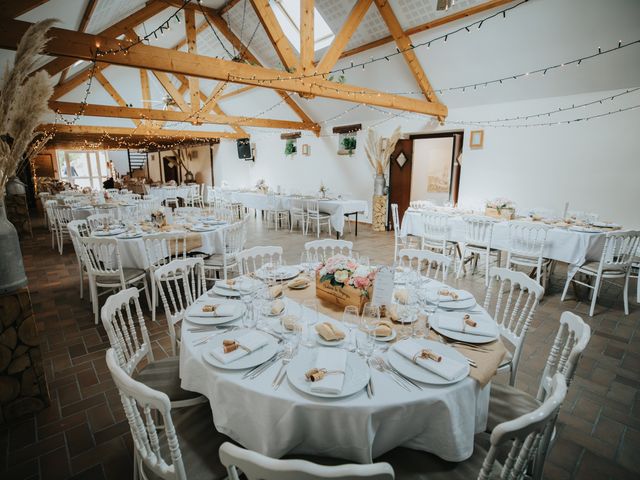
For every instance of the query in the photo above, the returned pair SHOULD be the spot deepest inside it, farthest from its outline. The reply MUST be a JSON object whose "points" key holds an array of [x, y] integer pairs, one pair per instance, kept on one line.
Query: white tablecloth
{"points": [[563, 245], [336, 208], [162, 192], [441, 420]]}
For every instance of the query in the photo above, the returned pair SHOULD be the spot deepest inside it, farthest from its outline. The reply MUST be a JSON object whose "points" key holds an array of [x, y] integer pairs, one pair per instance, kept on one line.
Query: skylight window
{"points": [[288, 14]]}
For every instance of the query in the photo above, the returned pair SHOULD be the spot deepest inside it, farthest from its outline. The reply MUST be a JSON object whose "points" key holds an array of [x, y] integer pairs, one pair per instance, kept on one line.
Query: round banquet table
{"points": [[438, 419]]}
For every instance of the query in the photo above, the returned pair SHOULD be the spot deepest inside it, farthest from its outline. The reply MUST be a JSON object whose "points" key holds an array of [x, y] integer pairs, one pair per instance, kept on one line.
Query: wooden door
{"points": [[400, 179]]}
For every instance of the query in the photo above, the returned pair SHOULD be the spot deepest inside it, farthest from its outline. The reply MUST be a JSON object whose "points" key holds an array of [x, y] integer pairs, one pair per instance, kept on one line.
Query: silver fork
{"points": [[378, 366], [263, 367], [390, 368], [282, 372]]}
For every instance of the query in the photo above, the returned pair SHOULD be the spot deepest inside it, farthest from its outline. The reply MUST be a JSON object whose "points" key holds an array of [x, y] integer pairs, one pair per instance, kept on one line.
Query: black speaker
{"points": [[244, 149]]}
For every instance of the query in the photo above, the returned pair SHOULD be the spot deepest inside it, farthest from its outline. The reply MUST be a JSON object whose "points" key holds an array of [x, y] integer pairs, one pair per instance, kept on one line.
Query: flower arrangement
{"points": [[500, 204], [378, 151], [341, 271], [323, 190], [261, 185]]}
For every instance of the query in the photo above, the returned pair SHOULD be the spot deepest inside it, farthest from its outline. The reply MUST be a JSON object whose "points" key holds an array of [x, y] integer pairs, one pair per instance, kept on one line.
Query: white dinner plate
{"points": [[482, 318], [267, 310], [605, 225], [414, 371], [130, 235], [458, 305], [327, 343], [109, 233], [388, 338], [230, 292], [248, 361], [355, 379], [203, 228], [282, 273], [214, 320], [578, 228]]}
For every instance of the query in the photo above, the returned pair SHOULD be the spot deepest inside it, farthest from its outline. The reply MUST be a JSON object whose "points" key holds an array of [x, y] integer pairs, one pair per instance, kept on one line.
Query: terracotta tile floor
{"points": [[83, 434]]}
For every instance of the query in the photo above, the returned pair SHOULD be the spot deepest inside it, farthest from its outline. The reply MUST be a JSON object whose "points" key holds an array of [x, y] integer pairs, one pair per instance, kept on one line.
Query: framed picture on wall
{"points": [[476, 139]]}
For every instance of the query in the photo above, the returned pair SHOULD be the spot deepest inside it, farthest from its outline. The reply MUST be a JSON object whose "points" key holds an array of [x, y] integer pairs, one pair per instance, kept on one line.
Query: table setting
{"points": [[316, 366]]}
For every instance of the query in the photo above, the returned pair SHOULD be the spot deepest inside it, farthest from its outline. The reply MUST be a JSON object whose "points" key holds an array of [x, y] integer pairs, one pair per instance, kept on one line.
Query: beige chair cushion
{"points": [[129, 274], [507, 403], [593, 268], [199, 443], [216, 260], [164, 375]]}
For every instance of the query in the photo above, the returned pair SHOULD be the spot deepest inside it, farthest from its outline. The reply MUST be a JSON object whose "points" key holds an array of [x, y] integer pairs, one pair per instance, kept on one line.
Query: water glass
{"points": [[310, 318], [292, 337], [366, 344], [351, 320]]}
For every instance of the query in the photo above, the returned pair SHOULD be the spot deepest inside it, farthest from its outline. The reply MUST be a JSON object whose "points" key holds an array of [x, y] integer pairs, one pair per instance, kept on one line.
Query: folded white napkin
{"points": [[331, 359], [462, 295], [252, 341], [454, 321], [222, 310], [240, 284], [447, 368]]}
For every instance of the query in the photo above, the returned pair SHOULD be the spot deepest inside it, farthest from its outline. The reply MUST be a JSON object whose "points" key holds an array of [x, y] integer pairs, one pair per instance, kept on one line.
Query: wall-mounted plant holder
{"points": [[347, 138], [306, 149], [291, 145]]}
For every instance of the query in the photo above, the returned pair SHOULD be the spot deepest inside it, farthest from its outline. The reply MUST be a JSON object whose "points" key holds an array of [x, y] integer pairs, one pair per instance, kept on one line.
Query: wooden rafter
{"points": [[429, 25], [80, 45], [84, 21], [404, 44], [113, 93], [227, 6], [237, 91], [15, 8], [171, 89], [307, 36], [134, 132], [278, 39], [340, 41], [192, 47], [111, 111]]}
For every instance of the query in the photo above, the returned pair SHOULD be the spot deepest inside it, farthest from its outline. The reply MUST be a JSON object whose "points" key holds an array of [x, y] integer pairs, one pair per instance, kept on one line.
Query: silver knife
{"points": [[370, 392]]}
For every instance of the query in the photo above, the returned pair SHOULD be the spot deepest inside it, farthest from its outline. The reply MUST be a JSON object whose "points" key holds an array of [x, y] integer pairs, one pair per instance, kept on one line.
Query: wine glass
{"points": [[369, 322], [351, 320]]}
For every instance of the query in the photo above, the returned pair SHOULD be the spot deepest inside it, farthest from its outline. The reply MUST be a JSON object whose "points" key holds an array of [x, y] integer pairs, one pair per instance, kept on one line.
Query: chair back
{"points": [[49, 207], [571, 340], [313, 208], [478, 230], [148, 205], [126, 329], [524, 434], [514, 306], [180, 283], [256, 466], [253, 258], [102, 257], [619, 250], [98, 221], [396, 220], [527, 239], [165, 247], [296, 206], [234, 237], [63, 215], [436, 227], [138, 402], [320, 250], [425, 262]]}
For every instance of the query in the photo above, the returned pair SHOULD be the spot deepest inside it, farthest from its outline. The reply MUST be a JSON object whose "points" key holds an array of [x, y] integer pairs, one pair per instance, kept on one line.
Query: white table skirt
{"points": [[162, 192], [440, 420], [563, 245], [335, 208]]}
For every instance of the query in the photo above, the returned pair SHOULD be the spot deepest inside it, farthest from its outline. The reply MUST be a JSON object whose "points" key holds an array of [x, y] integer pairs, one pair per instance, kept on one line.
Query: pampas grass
{"points": [[24, 101], [377, 153]]}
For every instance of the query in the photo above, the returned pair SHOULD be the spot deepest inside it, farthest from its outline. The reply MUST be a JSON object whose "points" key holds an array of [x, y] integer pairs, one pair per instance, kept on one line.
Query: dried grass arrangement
{"points": [[378, 152], [24, 100]]}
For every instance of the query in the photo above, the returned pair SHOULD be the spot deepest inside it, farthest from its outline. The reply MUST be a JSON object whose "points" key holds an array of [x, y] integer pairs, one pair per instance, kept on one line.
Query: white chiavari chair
{"points": [[63, 215], [427, 263], [316, 218], [635, 265], [507, 402], [477, 243], [210, 196], [234, 236], [400, 241], [162, 248], [185, 444], [513, 309], [44, 198], [180, 283], [78, 229], [255, 466], [171, 196], [527, 241], [107, 208], [52, 223], [298, 214], [275, 213], [436, 234], [147, 206], [320, 250], [615, 262], [194, 196], [105, 270], [254, 258], [125, 326], [505, 455]]}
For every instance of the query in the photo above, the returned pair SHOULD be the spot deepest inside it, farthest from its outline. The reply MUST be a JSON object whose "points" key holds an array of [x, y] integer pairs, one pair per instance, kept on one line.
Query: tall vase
{"points": [[12, 276], [379, 220]]}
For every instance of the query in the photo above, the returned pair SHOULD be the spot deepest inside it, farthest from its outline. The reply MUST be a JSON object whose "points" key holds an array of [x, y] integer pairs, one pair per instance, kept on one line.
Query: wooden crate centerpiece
{"points": [[500, 208], [342, 281]]}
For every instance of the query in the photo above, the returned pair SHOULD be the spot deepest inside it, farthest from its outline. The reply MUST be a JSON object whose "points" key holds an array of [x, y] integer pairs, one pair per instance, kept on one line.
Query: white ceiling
{"points": [[537, 34]]}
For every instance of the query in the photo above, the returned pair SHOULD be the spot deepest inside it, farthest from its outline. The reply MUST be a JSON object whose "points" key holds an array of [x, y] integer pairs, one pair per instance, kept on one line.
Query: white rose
{"points": [[341, 276]]}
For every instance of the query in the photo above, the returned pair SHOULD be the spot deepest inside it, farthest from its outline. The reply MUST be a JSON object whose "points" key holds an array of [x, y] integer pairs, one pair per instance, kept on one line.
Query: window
{"points": [[84, 169], [288, 14]]}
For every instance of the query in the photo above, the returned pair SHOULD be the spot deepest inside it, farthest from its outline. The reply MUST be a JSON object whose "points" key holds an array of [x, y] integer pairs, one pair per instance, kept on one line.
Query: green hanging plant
{"points": [[349, 144], [290, 147]]}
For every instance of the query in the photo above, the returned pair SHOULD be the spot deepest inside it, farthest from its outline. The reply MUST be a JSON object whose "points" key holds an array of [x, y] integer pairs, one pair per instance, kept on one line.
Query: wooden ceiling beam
{"points": [[192, 47], [227, 6], [404, 44], [172, 90], [134, 132], [111, 111], [467, 12], [15, 8], [81, 45], [278, 39], [238, 91], [307, 36], [340, 41]]}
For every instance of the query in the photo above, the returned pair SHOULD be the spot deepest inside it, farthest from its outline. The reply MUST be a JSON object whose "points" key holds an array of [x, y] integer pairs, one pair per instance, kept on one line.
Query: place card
{"points": [[383, 286]]}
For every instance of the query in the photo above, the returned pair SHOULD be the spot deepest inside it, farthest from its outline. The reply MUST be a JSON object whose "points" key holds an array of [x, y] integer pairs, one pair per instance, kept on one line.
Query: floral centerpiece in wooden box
{"points": [[342, 281], [500, 208]]}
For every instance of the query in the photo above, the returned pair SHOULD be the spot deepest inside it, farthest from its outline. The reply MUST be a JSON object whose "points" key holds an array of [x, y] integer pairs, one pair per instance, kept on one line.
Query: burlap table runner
{"points": [[487, 358], [193, 241]]}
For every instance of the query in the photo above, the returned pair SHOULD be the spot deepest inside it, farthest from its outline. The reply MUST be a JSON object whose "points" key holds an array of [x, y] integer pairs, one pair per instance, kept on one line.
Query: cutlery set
{"points": [[381, 365]]}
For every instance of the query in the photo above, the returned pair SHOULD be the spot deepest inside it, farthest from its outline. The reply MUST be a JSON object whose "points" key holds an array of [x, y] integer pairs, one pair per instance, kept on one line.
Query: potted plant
{"points": [[290, 147], [23, 102], [349, 144]]}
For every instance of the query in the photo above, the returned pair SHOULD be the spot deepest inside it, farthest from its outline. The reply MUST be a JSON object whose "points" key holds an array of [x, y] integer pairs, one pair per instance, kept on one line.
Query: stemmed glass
{"points": [[292, 337], [429, 302], [310, 317], [249, 319], [369, 322], [351, 320]]}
